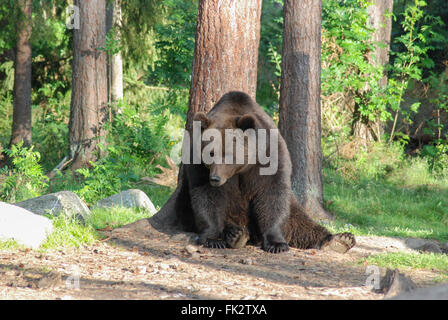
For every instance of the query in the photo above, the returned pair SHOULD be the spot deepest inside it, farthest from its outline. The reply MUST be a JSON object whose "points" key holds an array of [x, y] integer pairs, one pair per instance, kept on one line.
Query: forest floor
{"points": [[138, 262]]}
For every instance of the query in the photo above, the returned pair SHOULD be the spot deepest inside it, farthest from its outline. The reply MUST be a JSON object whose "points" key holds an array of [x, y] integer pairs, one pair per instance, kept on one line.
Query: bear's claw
{"points": [[215, 244], [275, 247]]}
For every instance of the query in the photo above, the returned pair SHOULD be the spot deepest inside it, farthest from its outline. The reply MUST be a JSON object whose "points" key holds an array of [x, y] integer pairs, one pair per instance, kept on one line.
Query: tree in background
{"points": [[115, 61], [225, 59], [88, 109], [21, 125], [380, 20], [299, 110]]}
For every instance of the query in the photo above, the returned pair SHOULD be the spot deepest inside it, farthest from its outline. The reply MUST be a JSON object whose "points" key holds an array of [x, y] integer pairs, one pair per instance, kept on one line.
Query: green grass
{"points": [[10, 245], [115, 217], [406, 203], [69, 232], [425, 261]]}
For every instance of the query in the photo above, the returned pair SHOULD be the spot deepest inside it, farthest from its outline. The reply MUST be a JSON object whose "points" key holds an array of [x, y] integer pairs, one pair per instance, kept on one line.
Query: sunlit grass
{"points": [[408, 202], [424, 261]]}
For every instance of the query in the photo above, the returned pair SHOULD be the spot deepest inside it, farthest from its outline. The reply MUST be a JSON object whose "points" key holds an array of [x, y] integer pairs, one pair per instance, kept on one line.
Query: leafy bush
{"points": [[25, 179]]}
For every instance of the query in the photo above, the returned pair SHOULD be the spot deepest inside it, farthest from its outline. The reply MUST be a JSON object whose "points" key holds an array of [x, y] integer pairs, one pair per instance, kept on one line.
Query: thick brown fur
{"points": [[232, 203]]}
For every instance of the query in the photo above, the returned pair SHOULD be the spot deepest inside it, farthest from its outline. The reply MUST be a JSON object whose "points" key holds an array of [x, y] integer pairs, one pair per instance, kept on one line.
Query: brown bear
{"points": [[234, 200]]}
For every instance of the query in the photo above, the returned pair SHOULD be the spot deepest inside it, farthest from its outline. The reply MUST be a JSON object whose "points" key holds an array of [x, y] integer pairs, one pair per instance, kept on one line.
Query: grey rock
{"points": [[439, 292], [55, 204], [394, 283], [23, 226], [132, 198], [423, 245]]}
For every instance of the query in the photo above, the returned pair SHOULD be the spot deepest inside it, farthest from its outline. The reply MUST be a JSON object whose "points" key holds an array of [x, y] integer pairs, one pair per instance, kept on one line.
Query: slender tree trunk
{"points": [[115, 61], [226, 51], [21, 123], [88, 110], [225, 59], [381, 21], [300, 114]]}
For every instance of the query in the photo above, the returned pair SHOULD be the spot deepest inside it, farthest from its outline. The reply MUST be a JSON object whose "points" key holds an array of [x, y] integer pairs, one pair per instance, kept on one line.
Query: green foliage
{"points": [[175, 44], [50, 128], [409, 63], [134, 142], [437, 151], [269, 56], [25, 179]]}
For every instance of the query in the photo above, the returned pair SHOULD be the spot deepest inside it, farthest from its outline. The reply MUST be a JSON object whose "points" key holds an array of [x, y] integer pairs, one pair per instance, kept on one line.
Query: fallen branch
{"points": [[59, 167]]}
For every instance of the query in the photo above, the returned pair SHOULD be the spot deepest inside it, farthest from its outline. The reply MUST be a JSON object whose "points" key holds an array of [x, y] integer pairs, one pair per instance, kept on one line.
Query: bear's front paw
{"points": [[275, 247], [215, 244], [236, 237]]}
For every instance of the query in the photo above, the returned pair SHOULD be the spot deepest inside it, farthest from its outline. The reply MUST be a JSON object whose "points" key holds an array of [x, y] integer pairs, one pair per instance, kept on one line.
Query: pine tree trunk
{"points": [[300, 114], [381, 21], [225, 59], [226, 51], [115, 63], [88, 110], [21, 123]]}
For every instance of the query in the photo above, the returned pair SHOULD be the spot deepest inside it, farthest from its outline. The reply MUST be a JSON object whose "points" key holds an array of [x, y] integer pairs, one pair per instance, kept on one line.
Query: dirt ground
{"points": [[138, 262]]}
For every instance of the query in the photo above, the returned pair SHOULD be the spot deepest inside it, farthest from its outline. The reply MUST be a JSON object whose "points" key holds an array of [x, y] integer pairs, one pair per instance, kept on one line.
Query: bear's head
{"points": [[227, 144]]}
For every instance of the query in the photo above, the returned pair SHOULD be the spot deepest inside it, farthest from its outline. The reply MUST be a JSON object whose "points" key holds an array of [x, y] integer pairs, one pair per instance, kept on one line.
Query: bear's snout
{"points": [[216, 181]]}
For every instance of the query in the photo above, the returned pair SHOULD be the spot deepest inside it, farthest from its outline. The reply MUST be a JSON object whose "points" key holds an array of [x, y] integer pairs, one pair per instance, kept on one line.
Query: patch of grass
{"points": [[10, 245], [426, 261], [115, 217], [388, 206], [69, 232]]}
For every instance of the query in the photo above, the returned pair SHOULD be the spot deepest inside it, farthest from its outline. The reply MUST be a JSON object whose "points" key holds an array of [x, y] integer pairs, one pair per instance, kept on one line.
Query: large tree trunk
{"points": [[225, 59], [88, 110], [380, 20], [21, 123], [300, 114], [226, 51], [115, 63]]}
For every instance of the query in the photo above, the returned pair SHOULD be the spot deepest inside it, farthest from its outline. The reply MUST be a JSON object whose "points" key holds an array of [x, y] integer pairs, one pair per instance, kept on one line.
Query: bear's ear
{"points": [[245, 122], [202, 117]]}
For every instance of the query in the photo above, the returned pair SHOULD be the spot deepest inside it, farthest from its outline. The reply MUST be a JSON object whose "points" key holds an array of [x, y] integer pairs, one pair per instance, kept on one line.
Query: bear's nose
{"points": [[215, 179]]}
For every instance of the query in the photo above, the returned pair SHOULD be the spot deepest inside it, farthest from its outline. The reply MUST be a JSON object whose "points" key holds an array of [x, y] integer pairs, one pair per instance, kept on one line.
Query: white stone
{"points": [[23, 226]]}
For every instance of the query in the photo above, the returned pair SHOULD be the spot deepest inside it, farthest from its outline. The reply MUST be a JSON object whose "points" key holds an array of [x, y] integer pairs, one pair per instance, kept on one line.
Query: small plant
{"points": [[25, 179], [408, 64]]}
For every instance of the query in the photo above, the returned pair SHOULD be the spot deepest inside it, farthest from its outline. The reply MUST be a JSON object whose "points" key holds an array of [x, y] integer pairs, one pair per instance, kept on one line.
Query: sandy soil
{"points": [[138, 262]]}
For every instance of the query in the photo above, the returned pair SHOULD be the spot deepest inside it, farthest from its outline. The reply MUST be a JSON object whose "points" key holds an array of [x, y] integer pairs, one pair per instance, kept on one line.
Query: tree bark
{"points": [[21, 123], [225, 59], [115, 61], [88, 109], [382, 23], [299, 110], [226, 52]]}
